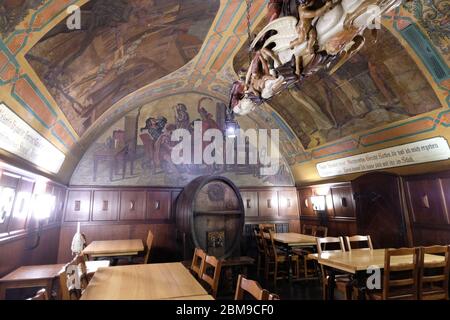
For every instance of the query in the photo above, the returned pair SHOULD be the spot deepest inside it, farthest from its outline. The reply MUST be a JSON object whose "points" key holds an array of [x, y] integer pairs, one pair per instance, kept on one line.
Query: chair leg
{"points": [[275, 274], [258, 265]]}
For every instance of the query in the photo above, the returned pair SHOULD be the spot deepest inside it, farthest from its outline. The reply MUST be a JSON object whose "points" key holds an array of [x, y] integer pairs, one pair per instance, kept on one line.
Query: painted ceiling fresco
{"points": [[378, 86], [12, 12], [136, 151], [122, 46]]}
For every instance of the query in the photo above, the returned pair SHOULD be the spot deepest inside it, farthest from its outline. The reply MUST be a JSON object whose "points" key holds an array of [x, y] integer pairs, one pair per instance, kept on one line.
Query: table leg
{"points": [[360, 282], [331, 282]]}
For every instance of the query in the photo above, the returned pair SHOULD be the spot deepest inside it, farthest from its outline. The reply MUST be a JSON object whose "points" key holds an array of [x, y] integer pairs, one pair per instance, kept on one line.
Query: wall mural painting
{"points": [[136, 151], [122, 46], [379, 85], [13, 12]]}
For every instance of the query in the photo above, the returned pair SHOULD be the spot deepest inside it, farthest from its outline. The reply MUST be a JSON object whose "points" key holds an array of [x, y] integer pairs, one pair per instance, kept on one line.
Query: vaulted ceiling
{"points": [[72, 85]]}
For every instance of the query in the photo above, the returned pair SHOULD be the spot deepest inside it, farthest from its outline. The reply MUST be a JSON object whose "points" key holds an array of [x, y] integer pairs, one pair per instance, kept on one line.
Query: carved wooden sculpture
{"points": [[291, 48]]}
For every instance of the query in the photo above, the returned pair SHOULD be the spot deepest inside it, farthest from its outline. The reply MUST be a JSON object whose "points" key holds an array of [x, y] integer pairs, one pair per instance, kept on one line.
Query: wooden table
{"points": [[294, 239], [360, 260], [30, 277], [114, 248], [291, 240], [143, 282], [204, 297], [357, 262]]}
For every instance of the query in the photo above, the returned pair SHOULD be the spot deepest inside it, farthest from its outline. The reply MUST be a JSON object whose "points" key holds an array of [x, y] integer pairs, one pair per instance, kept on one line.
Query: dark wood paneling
{"points": [[22, 251], [250, 199], [379, 209], [268, 203], [132, 205], [78, 205], [445, 193], [306, 208], [105, 205], [163, 247], [343, 201], [288, 204], [426, 202], [159, 206]]}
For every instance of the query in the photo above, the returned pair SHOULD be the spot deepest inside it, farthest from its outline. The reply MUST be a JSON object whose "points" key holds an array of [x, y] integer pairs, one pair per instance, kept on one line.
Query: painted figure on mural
{"points": [[163, 151], [181, 116]]}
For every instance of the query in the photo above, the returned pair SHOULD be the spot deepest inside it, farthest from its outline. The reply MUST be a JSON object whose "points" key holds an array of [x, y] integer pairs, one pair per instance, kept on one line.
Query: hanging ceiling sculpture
{"points": [[301, 38]]}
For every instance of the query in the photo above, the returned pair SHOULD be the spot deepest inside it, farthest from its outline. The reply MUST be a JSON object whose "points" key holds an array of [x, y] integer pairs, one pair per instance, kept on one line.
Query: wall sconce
{"points": [[318, 203]]}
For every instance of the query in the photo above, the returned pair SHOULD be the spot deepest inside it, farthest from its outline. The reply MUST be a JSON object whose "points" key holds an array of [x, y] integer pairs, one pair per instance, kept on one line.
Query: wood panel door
{"points": [[250, 199], [379, 209], [343, 201], [426, 201], [132, 205], [268, 203], [105, 207], [288, 204], [306, 208], [78, 205], [159, 205]]}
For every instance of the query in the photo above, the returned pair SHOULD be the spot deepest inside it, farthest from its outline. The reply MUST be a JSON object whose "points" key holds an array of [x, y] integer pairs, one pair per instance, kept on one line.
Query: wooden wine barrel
{"points": [[210, 215]]}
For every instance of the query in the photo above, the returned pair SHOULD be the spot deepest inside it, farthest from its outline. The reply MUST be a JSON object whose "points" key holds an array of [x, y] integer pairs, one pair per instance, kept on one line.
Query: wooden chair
{"points": [[197, 262], [73, 279], [320, 231], [309, 266], [273, 256], [342, 282], [359, 239], [251, 287], [399, 282], [148, 243], [434, 277], [212, 281], [265, 227], [261, 255], [40, 295], [307, 229]]}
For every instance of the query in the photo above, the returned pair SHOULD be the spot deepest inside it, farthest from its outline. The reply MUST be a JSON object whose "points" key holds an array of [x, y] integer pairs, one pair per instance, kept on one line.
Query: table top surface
{"points": [[360, 260], [114, 247], [25, 273], [294, 239], [143, 282]]}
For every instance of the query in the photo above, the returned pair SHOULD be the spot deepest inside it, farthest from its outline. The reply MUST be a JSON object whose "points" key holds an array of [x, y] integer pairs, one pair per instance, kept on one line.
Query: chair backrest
{"points": [[197, 262], [266, 227], [330, 240], [271, 247], [320, 231], [400, 281], [40, 295], [359, 239], [148, 245], [259, 241], [251, 287], [308, 229], [434, 277], [73, 279], [212, 281]]}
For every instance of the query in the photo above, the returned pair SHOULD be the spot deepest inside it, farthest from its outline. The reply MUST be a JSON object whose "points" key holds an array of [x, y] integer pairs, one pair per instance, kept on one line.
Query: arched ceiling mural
{"points": [[413, 45]]}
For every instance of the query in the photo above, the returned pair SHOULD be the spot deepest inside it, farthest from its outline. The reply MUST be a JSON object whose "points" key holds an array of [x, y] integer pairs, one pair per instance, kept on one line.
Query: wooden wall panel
{"points": [[288, 204], [105, 205], [268, 203], [306, 208], [78, 205], [19, 252], [250, 199], [342, 197], [159, 206], [132, 205], [426, 202]]}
